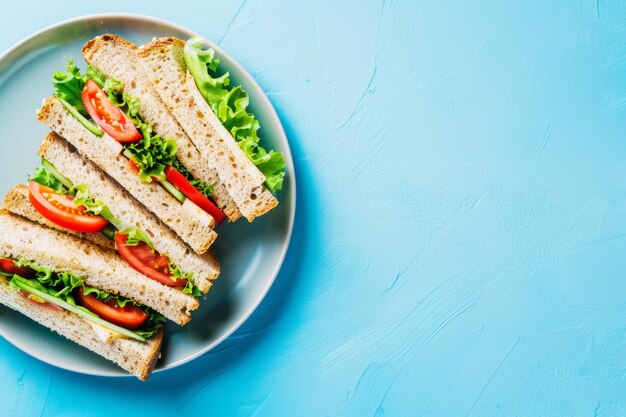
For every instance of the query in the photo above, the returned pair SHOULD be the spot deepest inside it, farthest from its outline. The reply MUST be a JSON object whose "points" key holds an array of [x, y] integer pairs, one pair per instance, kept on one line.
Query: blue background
{"points": [[459, 245]]}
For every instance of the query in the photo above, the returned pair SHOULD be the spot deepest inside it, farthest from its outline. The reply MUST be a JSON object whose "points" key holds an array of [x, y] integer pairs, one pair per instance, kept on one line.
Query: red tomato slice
{"points": [[8, 265], [146, 261], [129, 316], [192, 193], [60, 209], [107, 115], [133, 167]]}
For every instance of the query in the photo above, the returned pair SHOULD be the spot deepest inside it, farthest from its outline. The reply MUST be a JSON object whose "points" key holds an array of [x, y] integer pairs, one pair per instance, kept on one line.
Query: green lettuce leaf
{"points": [[69, 86], [152, 154], [190, 287], [44, 178], [230, 107], [82, 197]]}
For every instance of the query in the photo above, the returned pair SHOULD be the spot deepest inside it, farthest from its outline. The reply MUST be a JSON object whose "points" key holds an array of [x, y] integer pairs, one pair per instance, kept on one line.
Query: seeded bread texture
{"points": [[116, 57], [16, 201], [138, 358], [198, 234], [103, 269], [77, 169], [243, 180]]}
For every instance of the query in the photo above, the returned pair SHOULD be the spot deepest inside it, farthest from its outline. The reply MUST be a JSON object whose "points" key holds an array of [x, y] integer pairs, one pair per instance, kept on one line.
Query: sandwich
{"points": [[72, 286], [210, 119], [101, 120], [70, 193]]}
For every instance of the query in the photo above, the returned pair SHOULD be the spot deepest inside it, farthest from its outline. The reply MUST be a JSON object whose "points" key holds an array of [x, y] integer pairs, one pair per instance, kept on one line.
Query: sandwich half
{"points": [[73, 294], [100, 120], [214, 119], [116, 58]]}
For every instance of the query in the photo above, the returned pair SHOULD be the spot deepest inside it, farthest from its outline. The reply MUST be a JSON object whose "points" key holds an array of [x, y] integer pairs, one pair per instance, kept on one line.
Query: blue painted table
{"points": [[459, 246]]}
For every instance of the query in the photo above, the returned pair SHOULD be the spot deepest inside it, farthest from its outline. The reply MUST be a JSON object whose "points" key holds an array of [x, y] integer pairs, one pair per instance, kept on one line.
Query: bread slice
{"points": [[167, 70], [193, 225], [138, 358], [115, 57], [103, 269], [16, 201], [77, 169]]}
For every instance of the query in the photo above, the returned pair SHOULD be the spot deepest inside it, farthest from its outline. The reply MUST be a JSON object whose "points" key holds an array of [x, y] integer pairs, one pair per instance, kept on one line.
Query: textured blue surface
{"points": [[459, 246]]}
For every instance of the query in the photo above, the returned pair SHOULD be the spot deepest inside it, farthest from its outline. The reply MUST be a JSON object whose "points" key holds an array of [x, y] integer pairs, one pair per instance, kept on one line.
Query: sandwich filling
{"points": [[72, 207], [64, 290], [105, 109], [230, 105]]}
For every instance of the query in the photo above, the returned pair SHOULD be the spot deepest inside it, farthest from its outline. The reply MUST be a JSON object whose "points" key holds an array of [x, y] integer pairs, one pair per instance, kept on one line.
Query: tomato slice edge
{"points": [[114, 121], [192, 193], [130, 255], [78, 222], [129, 316]]}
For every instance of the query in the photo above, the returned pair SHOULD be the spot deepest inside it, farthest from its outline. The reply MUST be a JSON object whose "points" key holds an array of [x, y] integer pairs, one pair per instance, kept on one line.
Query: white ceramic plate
{"points": [[251, 254]]}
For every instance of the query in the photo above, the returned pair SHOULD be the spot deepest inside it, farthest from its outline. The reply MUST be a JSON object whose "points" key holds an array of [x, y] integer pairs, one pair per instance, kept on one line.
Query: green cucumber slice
{"points": [[97, 320], [92, 127], [56, 174], [109, 231], [173, 191]]}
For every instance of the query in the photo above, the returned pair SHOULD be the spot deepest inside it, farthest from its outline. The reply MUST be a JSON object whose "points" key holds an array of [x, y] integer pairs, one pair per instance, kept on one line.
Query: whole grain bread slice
{"points": [[78, 170], [17, 202], [103, 269], [115, 57], [136, 357], [194, 227], [167, 70]]}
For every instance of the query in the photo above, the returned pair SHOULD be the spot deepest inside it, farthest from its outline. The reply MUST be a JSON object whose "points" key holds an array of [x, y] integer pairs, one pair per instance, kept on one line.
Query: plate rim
{"points": [[265, 103]]}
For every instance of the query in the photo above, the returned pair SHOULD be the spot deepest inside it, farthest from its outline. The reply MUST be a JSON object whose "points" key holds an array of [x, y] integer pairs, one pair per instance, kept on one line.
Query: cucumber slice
{"points": [[109, 231], [92, 127], [97, 320], [56, 174], [165, 183], [173, 191]]}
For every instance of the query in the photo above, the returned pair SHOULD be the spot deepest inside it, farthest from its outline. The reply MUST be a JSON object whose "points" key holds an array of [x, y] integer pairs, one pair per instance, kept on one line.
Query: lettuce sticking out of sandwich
{"points": [[115, 314], [230, 105]]}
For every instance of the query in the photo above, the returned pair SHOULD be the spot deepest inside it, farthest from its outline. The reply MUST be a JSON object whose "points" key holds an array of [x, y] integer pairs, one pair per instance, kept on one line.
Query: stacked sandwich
{"points": [[150, 149]]}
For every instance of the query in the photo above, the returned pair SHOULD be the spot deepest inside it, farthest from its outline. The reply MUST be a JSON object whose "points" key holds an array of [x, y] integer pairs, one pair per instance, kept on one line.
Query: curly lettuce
{"points": [[152, 153], [43, 177], [69, 86], [82, 197], [230, 104]]}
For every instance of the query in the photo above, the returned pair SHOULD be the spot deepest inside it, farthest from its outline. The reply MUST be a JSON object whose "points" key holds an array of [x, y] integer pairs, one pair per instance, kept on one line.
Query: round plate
{"points": [[251, 254]]}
